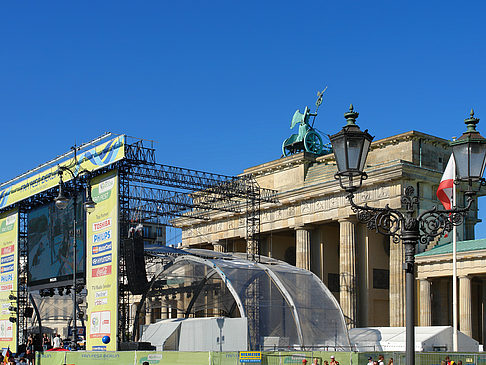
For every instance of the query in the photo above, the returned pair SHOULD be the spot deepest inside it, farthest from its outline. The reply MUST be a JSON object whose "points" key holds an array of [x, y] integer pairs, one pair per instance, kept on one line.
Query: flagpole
{"points": [[454, 268]]}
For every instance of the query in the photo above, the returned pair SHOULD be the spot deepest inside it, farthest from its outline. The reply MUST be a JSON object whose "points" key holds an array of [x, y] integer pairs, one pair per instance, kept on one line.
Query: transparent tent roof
{"points": [[283, 304]]}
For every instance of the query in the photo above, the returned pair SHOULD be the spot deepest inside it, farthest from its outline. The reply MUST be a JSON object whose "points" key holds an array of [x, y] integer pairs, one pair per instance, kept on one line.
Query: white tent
{"points": [[433, 338], [198, 334]]}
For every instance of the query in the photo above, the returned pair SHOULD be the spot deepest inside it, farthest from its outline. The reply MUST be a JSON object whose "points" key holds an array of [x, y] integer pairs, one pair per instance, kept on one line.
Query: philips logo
{"points": [[6, 259], [6, 268], [101, 248], [102, 236], [100, 260], [6, 278]]}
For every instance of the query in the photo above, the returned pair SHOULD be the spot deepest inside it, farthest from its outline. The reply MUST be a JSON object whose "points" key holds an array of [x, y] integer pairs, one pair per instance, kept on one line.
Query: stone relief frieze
{"points": [[307, 207], [291, 211]]}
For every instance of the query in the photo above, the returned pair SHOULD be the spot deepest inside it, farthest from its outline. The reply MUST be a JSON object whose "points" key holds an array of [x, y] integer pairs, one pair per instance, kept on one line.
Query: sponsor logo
{"points": [[101, 293], [101, 301], [99, 348], [154, 357], [101, 271], [98, 226], [106, 185], [101, 248], [100, 260], [6, 268], [11, 219], [6, 287], [8, 249], [6, 259], [6, 278], [101, 236]]}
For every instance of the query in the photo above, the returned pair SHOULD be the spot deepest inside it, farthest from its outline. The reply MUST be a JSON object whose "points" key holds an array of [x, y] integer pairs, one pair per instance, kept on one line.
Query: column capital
{"points": [[219, 246], [304, 227], [350, 219]]}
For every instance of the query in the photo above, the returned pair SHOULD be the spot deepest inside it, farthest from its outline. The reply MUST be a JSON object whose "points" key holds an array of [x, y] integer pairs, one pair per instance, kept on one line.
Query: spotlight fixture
{"points": [[12, 297], [12, 309], [13, 319], [68, 290], [60, 291], [50, 292]]}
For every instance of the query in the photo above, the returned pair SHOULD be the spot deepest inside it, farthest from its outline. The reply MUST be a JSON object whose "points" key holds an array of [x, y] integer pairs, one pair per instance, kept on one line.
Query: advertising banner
{"points": [[102, 264], [9, 232], [93, 159]]}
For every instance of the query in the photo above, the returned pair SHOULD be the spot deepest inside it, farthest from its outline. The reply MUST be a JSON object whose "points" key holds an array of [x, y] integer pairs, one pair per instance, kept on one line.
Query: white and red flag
{"points": [[444, 192]]}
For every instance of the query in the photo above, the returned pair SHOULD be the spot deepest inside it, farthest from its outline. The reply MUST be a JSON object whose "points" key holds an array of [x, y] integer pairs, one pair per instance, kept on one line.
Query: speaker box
{"points": [[135, 264], [134, 346], [28, 312]]}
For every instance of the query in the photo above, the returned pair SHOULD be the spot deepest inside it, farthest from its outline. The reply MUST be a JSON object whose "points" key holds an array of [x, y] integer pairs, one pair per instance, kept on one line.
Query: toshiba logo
{"points": [[98, 226]]}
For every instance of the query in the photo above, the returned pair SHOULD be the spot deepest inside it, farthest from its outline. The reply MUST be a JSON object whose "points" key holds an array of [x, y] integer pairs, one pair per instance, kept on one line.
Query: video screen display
{"points": [[50, 244]]}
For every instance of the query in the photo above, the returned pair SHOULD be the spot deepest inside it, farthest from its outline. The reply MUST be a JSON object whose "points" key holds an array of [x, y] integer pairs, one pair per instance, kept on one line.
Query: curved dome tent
{"points": [[284, 306]]}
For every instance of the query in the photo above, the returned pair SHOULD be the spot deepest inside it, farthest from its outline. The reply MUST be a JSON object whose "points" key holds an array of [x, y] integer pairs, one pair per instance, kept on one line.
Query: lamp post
{"points": [[61, 202], [351, 146]]}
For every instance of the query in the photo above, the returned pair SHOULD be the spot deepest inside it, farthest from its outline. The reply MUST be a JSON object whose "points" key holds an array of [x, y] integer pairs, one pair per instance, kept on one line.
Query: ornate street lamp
{"points": [[61, 202], [351, 146], [470, 153]]}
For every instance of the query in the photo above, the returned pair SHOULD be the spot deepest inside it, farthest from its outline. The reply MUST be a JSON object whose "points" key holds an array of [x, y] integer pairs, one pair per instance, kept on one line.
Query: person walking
{"points": [[57, 343], [46, 342]]}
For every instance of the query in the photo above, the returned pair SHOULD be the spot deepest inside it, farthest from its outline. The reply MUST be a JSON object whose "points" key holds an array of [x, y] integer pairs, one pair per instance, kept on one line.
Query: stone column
{"points": [[425, 308], [397, 285], [483, 304], [465, 315], [302, 247], [164, 309], [218, 246], [347, 269], [148, 311]]}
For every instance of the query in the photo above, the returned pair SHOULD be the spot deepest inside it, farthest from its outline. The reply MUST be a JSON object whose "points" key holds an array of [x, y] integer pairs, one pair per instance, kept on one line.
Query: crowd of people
{"points": [[315, 361], [371, 361], [380, 361], [26, 352]]}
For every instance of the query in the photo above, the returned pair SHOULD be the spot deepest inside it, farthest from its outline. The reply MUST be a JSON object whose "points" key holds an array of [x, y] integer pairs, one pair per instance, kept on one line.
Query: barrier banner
{"points": [[102, 264], [93, 159], [9, 258]]}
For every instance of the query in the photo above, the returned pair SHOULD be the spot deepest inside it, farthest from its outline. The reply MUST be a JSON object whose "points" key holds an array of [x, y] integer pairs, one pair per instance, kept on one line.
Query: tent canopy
{"points": [[277, 299]]}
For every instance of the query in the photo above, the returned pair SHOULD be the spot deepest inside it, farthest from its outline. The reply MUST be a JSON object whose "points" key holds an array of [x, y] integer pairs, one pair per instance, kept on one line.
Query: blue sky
{"points": [[215, 83]]}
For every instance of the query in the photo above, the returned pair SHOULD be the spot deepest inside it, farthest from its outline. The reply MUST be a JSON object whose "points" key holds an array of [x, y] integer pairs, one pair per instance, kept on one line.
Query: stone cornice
{"points": [[468, 263]]}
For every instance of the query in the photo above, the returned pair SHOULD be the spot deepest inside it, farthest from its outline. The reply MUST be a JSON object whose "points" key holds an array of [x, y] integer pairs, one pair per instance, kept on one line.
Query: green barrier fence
{"points": [[231, 358]]}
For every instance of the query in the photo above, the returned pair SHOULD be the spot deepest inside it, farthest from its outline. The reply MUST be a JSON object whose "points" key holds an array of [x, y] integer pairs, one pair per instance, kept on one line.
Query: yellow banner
{"points": [[102, 265], [9, 232], [93, 159]]}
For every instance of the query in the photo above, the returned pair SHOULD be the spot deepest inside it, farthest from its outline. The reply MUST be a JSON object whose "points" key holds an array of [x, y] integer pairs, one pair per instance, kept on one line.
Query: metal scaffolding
{"points": [[150, 192]]}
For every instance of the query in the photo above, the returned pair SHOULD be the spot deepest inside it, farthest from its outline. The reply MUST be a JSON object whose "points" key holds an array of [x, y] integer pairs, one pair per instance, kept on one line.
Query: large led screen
{"points": [[50, 244]]}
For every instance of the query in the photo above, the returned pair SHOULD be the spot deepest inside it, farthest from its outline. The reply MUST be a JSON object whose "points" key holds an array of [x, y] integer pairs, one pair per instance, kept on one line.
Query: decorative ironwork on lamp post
{"points": [[62, 202], [351, 146]]}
